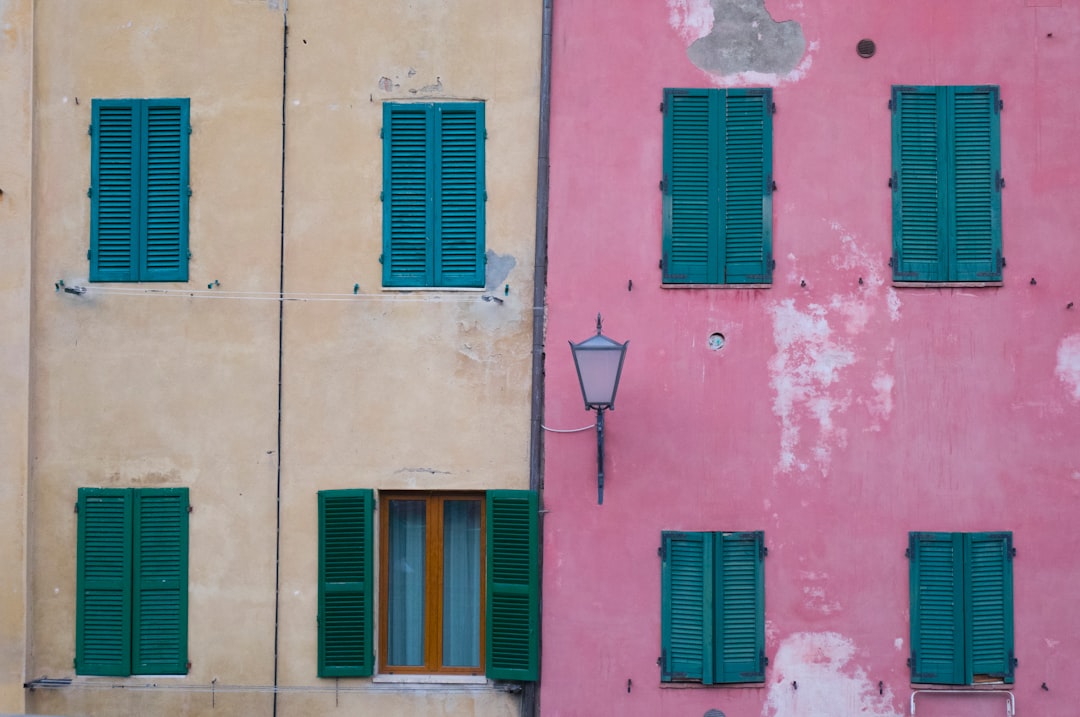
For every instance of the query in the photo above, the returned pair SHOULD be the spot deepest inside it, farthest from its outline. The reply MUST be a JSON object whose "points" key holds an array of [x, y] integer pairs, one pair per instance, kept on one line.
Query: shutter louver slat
{"points": [[747, 209], [408, 225], [345, 590], [740, 601], [165, 191], [103, 615], [917, 220], [160, 580], [976, 201], [937, 608], [990, 606], [460, 212], [114, 206], [513, 601], [686, 604], [689, 197]]}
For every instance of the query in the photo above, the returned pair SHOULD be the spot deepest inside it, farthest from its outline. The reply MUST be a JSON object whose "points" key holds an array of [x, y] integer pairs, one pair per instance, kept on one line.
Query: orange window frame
{"points": [[433, 582]]}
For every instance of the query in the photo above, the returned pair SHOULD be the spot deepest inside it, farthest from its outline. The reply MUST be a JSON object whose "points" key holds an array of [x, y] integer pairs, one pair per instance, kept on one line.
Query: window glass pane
{"points": [[405, 612], [461, 583]]}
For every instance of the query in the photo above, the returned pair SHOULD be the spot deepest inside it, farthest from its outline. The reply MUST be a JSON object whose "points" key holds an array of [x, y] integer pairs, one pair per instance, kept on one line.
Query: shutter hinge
{"points": [[770, 184], [892, 106], [380, 133], [892, 262], [76, 507], [90, 192], [663, 183], [1012, 553], [191, 509], [911, 660], [661, 106], [87, 253], [75, 664], [662, 660], [485, 195], [999, 181], [763, 552], [90, 130], [189, 253], [764, 660], [1000, 106], [772, 263], [894, 182], [909, 553], [661, 264], [188, 666], [380, 258], [189, 190], [485, 133], [772, 108], [660, 552]]}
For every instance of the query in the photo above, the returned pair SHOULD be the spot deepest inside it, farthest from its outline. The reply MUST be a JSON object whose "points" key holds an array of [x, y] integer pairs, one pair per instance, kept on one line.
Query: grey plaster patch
{"points": [[498, 268], [745, 38]]}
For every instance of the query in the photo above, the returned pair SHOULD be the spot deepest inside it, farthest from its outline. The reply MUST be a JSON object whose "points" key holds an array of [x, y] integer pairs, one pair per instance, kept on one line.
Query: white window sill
{"points": [[430, 679], [715, 286], [454, 289]]}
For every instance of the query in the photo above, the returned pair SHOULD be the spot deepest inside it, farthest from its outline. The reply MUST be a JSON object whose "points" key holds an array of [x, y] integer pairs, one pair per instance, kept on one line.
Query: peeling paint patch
{"points": [[692, 19], [829, 684], [1068, 364], [898, 643], [880, 404], [745, 38], [807, 363], [498, 269], [893, 301]]}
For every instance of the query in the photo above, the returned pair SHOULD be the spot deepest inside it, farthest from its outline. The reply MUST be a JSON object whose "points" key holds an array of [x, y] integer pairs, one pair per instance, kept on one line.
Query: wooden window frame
{"points": [[433, 582]]}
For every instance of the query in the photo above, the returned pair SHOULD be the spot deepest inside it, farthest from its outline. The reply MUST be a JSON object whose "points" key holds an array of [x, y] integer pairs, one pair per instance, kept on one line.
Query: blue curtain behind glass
{"points": [[461, 583], [407, 549]]}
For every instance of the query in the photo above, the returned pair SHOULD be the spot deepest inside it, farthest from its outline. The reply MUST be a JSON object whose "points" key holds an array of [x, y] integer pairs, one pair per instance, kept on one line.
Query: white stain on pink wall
{"points": [[804, 375], [814, 676], [1068, 364], [692, 19], [814, 347]]}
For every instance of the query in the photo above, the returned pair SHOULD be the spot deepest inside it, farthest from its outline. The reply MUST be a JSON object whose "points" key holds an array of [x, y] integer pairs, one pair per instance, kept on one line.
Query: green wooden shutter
{"points": [[459, 215], [989, 605], [160, 580], [746, 187], [691, 185], [975, 167], [103, 610], [512, 642], [115, 178], [164, 255], [408, 194], [740, 607], [937, 608], [920, 191], [686, 607], [346, 592]]}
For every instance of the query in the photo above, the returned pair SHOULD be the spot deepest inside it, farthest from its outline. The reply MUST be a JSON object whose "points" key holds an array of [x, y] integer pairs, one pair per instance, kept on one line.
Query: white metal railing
{"points": [[1010, 702]]}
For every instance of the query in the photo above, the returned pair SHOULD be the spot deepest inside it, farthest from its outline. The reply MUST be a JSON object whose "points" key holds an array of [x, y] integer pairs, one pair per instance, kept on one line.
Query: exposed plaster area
{"points": [[814, 347], [814, 677], [740, 38], [1068, 364]]}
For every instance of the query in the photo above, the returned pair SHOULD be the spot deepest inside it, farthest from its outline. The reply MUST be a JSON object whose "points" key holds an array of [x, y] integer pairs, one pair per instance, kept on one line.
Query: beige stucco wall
{"points": [[16, 75], [381, 389]]}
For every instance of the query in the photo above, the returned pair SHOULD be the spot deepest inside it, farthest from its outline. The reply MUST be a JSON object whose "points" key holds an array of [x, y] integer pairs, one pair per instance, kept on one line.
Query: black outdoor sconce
{"points": [[599, 361]]}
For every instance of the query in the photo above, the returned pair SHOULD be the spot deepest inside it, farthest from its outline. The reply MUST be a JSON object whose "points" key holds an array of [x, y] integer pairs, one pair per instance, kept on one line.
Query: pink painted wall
{"points": [[838, 416]]}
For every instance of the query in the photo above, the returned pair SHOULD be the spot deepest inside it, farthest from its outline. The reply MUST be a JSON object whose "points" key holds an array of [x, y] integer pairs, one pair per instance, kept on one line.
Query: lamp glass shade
{"points": [[599, 360]]}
